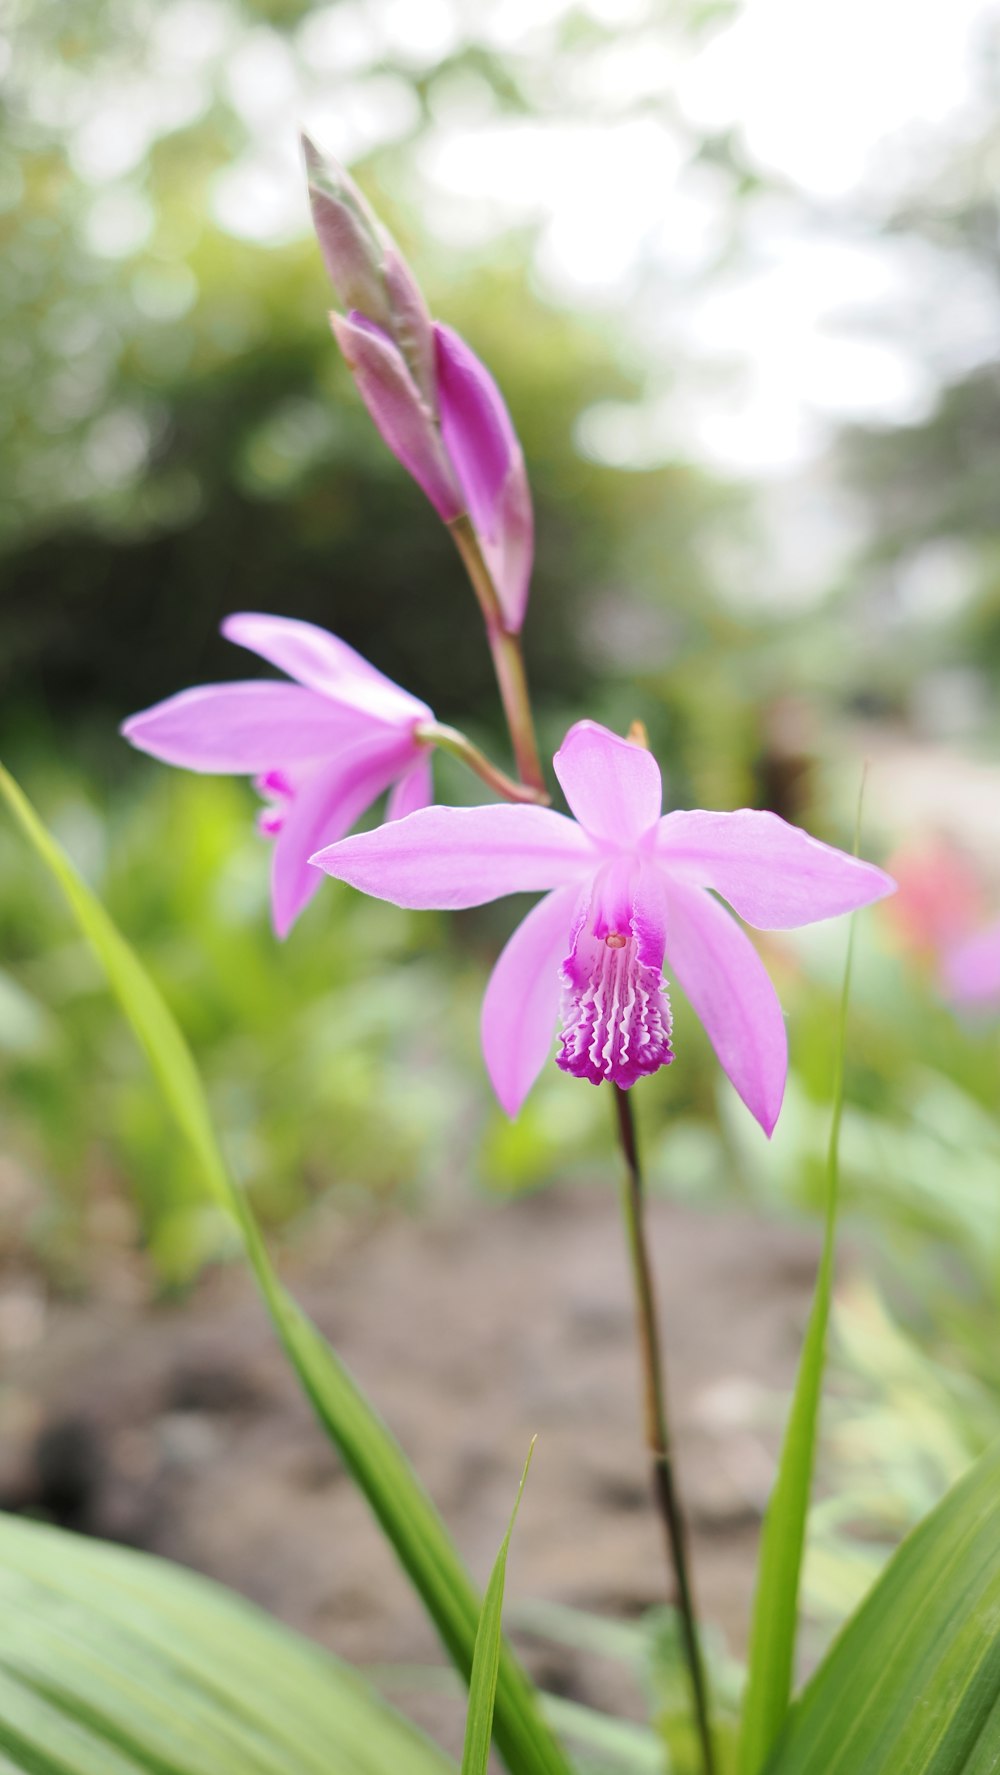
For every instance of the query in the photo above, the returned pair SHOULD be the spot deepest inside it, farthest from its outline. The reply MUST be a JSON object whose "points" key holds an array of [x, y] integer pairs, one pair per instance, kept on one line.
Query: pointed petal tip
{"points": [[281, 923]]}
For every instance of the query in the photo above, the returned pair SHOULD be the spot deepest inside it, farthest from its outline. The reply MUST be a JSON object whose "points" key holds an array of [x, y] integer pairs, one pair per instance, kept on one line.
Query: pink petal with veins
{"points": [[728, 987], [451, 857], [774, 875], [522, 999], [326, 802], [483, 448], [243, 728], [324, 663]]}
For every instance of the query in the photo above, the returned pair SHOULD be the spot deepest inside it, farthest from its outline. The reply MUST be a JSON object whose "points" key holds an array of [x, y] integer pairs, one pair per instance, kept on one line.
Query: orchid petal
{"points": [[246, 728], [613, 787], [324, 663], [414, 789], [971, 972], [450, 857], [728, 987], [774, 875], [483, 448], [325, 804], [398, 409], [649, 916], [511, 556], [522, 999]]}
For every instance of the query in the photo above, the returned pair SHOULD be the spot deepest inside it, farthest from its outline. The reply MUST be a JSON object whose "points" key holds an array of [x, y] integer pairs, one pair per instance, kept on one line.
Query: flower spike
{"points": [[436, 406]]}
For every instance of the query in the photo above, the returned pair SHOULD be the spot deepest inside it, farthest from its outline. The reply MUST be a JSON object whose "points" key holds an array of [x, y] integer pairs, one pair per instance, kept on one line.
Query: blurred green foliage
{"points": [[179, 440]]}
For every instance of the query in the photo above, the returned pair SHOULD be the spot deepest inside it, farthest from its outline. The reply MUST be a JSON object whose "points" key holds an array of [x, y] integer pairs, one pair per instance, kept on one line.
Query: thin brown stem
{"points": [[508, 659], [657, 1432], [449, 739]]}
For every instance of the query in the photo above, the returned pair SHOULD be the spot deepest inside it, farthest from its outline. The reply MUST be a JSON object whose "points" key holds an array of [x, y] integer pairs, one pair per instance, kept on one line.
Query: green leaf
{"points": [[486, 1656], [113, 1662], [369, 1451], [779, 1566], [912, 1685]]}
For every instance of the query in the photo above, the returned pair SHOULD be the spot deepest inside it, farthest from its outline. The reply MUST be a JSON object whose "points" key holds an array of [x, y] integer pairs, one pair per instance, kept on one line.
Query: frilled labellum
{"points": [[615, 1013], [616, 1020]]}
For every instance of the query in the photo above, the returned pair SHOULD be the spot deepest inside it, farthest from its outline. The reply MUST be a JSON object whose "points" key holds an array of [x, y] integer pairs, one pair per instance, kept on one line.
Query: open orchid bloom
{"points": [[436, 406], [627, 888], [971, 971], [320, 749]]}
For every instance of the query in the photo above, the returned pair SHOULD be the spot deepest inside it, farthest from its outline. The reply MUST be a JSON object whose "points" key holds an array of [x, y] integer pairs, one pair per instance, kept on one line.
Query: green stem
{"points": [[508, 659], [449, 739], [657, 1431]]}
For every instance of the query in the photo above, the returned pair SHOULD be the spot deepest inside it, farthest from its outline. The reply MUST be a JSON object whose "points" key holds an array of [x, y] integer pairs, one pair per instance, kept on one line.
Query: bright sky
{"points": [[850, 102]]}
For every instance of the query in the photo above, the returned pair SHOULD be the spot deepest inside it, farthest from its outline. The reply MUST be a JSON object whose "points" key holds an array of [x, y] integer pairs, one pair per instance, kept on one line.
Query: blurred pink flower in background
{"points": [[971, 971], [940, 896], [321, 749], [436, 406], [628, 888], [938, 916]]}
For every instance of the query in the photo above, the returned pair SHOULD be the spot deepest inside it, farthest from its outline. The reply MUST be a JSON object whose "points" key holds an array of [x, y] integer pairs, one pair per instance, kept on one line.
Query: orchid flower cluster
{"points": [[626, 888]]}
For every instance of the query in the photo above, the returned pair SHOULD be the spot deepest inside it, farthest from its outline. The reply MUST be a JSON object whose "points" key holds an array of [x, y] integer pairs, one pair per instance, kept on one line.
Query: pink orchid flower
{"points": [[971, 971], [320, 749], [433, 402], [627, 888]]}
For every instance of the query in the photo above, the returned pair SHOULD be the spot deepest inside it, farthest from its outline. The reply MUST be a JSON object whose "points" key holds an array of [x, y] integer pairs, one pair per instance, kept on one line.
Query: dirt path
{"points": [[181, 1430]]}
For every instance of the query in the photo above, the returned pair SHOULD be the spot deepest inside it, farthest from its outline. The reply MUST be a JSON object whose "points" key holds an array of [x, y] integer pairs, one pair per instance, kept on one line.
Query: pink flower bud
{"points": [[487, 458], [348, 238], [437, 407], [399, 410], [365, 266]]}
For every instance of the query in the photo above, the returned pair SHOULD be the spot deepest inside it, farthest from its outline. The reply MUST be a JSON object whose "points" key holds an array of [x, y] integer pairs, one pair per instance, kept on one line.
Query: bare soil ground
{"points": [[181, 1429]]}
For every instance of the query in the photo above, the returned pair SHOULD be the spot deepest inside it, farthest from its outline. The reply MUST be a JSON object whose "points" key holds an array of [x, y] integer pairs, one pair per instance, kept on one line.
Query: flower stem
{"points": [[449, 739], [657, 1432], [508, 659]]}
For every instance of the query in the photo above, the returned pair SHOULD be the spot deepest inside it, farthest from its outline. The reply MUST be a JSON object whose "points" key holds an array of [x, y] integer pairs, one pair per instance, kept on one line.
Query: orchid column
{"points": [[442, 415]]}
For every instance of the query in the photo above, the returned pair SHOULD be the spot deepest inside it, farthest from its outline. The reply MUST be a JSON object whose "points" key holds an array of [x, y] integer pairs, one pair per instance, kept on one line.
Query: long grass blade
{"points": [[369, 1451], [486, 1656]]}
